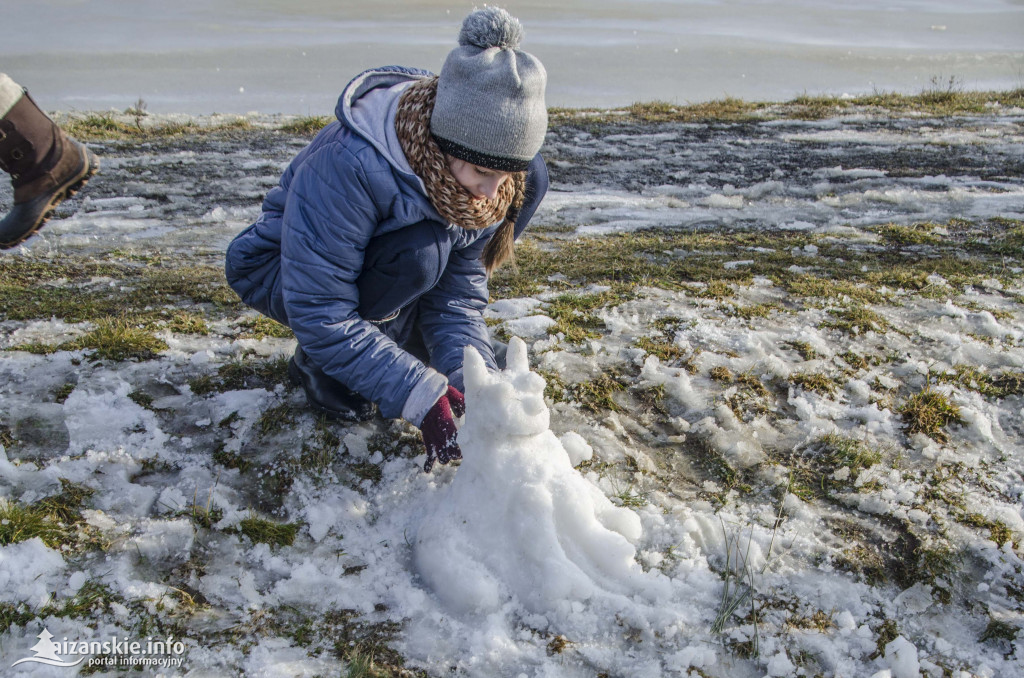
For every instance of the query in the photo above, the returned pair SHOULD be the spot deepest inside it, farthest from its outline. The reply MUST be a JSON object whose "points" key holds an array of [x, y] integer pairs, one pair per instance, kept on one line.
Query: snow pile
{"points": [[519, 521]]}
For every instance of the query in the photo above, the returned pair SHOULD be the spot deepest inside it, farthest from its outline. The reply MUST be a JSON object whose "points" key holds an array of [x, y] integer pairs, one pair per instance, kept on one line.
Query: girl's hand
{"points": [[439, 430]]}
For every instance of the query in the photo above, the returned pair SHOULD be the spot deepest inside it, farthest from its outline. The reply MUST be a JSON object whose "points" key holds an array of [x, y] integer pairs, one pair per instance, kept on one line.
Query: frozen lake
{"points": [[276, 56]]}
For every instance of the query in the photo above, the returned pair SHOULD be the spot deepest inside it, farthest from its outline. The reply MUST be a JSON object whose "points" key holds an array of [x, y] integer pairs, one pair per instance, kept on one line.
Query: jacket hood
{"points": [[368, 105]]}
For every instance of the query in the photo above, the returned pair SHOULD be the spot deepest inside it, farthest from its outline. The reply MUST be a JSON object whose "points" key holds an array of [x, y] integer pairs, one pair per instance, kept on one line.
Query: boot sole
{"points": [[90, 165]]}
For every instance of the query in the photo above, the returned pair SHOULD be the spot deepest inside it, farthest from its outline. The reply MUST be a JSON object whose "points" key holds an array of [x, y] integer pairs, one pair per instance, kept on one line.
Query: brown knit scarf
{"points": [[449, 198]]}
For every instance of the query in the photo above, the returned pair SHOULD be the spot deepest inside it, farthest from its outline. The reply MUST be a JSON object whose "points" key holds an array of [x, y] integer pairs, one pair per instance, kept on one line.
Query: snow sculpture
{"points": [[518, 521]]}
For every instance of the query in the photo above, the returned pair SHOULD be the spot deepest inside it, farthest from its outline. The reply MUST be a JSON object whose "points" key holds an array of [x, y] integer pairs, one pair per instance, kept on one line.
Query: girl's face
{"points": [[479, 182]]}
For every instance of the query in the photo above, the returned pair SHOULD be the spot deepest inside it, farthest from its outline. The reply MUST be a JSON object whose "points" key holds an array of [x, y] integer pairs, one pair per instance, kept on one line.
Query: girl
{"points": [[376, 246]]}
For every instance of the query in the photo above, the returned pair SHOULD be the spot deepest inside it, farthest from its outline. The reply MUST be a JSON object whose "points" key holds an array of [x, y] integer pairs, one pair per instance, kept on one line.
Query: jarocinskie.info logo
{"points": [[111, 653]]}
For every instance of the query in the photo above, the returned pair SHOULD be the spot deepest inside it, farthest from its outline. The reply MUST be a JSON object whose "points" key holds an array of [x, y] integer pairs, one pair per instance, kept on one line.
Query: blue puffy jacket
{"points": [[351, 255]]}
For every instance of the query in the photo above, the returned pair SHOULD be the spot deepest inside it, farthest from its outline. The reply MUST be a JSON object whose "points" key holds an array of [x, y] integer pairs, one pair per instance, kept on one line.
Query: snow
{"points": [[549, 539], [29, 572], [604, 528]]}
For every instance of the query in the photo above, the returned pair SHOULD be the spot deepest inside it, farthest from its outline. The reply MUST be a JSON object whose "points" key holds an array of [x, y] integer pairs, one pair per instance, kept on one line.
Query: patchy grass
{"points": [[7, 438], [718, 290], [920, 233], [804, 348], [243, 374], [54, 519], [574, 317], [61, 394], [819, 383], [119, 339], [755, 311], [694, 261], [261, 327], [839, 451], [307, 126], [929, 412], [856, 320], [806, 285], [117, 127], [998, 386], [596, 395], [184, 322], [75, 290], [939, 100], [20, 523], [666, 351], [261, 531], [320, 451], [276, 419], [999, 532], [722, 374]]}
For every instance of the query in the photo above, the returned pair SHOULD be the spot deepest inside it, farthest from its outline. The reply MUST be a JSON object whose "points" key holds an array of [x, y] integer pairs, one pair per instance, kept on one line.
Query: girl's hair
{"points": [[449, 198]]}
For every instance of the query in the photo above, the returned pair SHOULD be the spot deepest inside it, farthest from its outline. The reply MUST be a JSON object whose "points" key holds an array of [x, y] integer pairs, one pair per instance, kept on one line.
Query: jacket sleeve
{"points": [[329, 217], [451, 314]]}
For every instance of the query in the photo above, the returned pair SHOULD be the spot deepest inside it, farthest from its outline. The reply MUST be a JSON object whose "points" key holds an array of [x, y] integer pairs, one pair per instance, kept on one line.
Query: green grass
{"points": [[839, 451], [118, 339], [306, 126], [819, 383], [902, 236], [666, 351], [806, 285], [261, 531], [260, 327], [276, 419], [856, 320], [20, 523], [939, 100], [597, 394], [574, 317], [66, 290], [184, 322], [849, 273], [804, 348], [113, 127], [243, 374], [929, 412], [998, 385], [54, 519]]}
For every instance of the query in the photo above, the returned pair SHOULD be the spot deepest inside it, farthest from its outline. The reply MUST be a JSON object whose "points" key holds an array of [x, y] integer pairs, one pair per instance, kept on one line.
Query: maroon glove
{"points": [[438, 428]]}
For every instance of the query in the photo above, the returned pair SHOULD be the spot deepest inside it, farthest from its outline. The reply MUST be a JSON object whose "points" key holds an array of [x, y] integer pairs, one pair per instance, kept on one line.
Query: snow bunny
{"points": [[376, 245]]}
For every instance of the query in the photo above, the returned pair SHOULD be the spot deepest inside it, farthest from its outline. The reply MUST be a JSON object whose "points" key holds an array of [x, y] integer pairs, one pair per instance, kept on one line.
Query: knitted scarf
{"points": [[449, 198]]}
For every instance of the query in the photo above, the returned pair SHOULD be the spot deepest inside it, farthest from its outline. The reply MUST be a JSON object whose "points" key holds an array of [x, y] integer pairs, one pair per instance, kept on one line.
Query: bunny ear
{"points": [[474, 369], [516, 360]]}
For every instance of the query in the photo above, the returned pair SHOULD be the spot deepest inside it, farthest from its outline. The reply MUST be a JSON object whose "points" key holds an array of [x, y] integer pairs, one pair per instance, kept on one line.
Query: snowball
{"points": [[780, 665], [901, 655], [29, 572], [578, 449]]}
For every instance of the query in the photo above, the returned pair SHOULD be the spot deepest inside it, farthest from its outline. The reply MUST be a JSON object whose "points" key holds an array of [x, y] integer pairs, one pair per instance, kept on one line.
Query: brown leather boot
{"points": [[46, 166]]}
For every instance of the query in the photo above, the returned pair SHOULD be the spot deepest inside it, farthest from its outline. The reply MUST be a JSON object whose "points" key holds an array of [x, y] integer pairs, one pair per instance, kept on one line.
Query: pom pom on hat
{"points": [[491, 27]]}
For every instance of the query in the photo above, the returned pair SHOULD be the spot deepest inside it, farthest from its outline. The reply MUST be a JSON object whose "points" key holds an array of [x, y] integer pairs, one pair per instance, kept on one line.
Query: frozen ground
{"points": [[295, 56], [734, 326]]}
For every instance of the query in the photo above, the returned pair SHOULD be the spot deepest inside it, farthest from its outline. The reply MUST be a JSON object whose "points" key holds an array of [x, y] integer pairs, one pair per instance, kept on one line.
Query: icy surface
{"points": [[201, 56]]}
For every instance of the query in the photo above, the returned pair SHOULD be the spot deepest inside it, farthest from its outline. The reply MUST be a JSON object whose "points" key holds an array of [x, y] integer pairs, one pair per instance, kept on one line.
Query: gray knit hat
{"points": [[490, 96]]}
